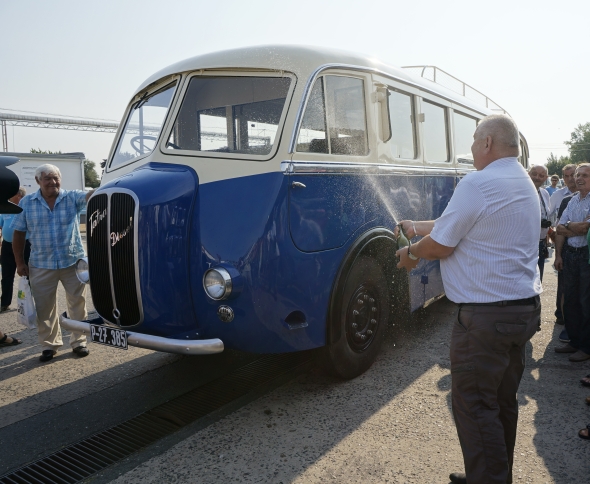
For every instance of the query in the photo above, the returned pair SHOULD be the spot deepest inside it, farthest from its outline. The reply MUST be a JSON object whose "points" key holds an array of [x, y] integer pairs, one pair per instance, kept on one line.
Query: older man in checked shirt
{"points": [[571, 257], [50, 216], [488, 242]]}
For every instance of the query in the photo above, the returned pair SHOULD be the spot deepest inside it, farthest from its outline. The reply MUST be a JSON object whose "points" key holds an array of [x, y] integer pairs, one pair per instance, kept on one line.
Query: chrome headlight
{"points": [[217, 283], [82, 270]]}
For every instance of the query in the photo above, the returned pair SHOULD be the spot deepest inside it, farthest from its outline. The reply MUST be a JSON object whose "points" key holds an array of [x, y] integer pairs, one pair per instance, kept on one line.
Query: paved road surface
{"points": [[392, 424]]}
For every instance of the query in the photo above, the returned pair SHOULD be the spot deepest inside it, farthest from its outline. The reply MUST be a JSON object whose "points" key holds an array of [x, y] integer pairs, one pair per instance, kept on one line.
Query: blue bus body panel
{"points": [[248, 229], [257, 226], [438, 190], [166, 196], [329, 209]]}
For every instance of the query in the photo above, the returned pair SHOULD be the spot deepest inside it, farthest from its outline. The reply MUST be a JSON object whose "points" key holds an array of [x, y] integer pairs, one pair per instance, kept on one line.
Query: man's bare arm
{"points": [[426, 248], [574, 229], [417, 227], [559, 241], [18, 248]]}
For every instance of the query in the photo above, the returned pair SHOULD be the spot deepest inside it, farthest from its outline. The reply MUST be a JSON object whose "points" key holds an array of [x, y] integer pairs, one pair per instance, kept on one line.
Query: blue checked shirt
{"points": [[54, 235]]}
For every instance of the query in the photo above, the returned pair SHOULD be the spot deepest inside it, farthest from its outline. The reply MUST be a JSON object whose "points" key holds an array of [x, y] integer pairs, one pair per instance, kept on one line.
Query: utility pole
{"points": [[4, 136]]}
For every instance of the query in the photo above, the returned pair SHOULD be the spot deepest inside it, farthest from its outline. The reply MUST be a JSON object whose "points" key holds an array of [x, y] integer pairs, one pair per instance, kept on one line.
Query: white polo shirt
{"points": [[493, 222], [545, 210]]}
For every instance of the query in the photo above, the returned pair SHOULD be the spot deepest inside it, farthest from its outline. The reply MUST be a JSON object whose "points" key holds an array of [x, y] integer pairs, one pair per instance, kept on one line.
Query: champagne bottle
{"points": [[402, 239]]}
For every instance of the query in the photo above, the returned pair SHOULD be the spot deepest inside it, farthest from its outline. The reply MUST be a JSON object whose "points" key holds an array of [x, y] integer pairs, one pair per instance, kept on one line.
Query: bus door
{"points": [[439, 175], [401, 160], [330, 195], [464, 124]]}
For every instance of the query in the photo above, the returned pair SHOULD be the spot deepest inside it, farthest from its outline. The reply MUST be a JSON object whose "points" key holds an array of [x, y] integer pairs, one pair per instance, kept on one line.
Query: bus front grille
{"points": [[112, 241]]}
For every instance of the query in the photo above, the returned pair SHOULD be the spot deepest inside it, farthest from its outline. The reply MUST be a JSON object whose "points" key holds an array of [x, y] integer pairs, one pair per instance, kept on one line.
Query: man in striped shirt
{"points": [[539, 175], [487, 240], [568, 173], [571, 257]]}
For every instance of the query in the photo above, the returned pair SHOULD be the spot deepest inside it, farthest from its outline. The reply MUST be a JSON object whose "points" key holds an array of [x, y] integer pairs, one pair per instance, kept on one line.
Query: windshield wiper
{"points": [[142, 100]]}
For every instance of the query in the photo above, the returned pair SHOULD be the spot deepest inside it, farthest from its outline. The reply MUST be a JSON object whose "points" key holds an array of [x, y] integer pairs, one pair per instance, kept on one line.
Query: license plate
{"points": [[116, 338]]}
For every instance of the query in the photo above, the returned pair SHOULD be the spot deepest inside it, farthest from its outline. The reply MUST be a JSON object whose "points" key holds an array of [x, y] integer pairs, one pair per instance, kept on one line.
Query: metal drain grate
{"points": [[103, 449]]}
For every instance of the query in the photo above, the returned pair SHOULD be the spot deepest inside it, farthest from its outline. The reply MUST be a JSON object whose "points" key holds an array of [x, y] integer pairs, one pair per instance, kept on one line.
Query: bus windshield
{"points": [[230, 115], [144, 124]]}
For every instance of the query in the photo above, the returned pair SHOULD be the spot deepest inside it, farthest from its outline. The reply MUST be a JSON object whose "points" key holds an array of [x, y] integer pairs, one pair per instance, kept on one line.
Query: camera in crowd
{"points": [[545, 224]]}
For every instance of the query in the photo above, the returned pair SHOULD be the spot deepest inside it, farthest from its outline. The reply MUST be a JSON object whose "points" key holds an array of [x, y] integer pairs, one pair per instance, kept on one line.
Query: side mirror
{"points": [[9, 185]]}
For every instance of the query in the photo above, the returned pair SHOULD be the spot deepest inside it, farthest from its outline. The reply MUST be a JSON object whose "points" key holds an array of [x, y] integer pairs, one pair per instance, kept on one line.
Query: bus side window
{"points": [[312, 135], [464, 127], [403, 129], [523, 158], [435, 132], [347, 124]]}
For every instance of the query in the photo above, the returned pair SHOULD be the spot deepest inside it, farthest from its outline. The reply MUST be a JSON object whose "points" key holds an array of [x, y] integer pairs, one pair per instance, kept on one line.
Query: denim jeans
{"points": [[576, 291]]}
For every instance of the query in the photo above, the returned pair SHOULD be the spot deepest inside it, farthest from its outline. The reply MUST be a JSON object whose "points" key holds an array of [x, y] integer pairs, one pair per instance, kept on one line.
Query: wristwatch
{"points": [[412, 256], [567, 224]]}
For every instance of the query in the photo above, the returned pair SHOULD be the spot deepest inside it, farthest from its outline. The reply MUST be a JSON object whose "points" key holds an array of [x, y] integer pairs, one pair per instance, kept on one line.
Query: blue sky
{"points": [[85, 58]]}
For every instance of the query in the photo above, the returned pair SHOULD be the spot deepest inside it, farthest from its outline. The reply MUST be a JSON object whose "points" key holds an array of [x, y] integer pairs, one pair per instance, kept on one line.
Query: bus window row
{"points": [[335, 123]]}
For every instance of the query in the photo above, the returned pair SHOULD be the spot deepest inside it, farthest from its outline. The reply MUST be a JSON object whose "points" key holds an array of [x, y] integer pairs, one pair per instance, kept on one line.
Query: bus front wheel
{"points": [[360, 318]]}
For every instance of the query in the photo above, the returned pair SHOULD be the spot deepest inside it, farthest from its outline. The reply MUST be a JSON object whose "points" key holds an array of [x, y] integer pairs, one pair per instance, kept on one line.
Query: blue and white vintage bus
{"points": [[251, 197]]}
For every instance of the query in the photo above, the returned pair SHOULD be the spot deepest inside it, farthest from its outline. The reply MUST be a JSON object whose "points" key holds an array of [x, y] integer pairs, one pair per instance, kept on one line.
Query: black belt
{"points": [[569, 248], [529, 301]]}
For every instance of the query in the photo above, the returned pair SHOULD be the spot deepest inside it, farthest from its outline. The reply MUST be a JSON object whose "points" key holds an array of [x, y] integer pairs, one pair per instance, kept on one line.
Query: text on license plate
{"points": [[104, 335]]}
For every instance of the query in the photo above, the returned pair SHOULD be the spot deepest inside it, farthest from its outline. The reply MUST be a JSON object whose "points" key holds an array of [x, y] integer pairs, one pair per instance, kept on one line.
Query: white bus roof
{"points": [[302, 61]]}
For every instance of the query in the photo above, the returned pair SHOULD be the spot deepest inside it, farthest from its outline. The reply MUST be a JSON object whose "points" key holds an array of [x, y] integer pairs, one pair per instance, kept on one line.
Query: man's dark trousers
{"points": [[9, 269], [576, 292], [487, 363], [542, 252], [558, 311]]}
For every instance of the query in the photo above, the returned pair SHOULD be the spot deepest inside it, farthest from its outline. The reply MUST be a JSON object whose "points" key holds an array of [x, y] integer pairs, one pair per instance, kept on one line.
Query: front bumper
{"points": [[157, 343]]}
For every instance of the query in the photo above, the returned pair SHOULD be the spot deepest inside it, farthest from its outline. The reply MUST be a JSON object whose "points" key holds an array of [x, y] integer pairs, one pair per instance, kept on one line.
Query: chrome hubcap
{"points": [[362, 318]]}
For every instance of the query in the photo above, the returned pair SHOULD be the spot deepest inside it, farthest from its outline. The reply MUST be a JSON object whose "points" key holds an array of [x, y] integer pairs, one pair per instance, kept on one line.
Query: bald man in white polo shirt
{"points": [[487, 240]]}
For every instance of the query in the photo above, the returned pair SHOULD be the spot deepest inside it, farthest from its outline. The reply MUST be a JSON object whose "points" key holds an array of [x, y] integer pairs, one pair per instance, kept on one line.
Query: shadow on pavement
{"points": [[553, 383]]}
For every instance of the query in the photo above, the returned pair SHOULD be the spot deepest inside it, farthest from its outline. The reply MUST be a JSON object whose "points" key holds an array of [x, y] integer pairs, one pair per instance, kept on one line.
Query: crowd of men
{"points": [[568, 208]]}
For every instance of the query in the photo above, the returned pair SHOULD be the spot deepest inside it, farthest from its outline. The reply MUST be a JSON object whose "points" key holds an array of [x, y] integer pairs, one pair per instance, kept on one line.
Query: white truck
{"points": [[71, 166]]}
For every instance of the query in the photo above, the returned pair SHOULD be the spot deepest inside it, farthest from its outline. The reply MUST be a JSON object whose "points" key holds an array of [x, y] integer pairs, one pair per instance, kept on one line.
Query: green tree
{"points": [[579, 144], [555, 165], [44, 152], [90, 176]]}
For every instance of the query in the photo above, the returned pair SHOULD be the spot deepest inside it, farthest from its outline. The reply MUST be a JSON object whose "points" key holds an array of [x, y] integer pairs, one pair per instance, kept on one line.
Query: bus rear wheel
{"points": [[360, 318]]}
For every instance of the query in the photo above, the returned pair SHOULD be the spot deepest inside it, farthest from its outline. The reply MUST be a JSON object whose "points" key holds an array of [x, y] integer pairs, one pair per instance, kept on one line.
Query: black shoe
{"points": [[4, 308], [458, 478], [559, 320], [47, 355], [81, 351]]}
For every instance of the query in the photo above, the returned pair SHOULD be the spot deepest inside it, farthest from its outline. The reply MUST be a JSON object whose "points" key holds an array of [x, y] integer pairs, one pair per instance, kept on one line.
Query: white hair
{"points": [[46, 169], [501, 128], [542, 167]]}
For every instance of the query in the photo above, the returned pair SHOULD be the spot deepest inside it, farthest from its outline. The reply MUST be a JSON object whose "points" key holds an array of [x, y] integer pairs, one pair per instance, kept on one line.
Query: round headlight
{"points": [[217, 283], [82, 270]]}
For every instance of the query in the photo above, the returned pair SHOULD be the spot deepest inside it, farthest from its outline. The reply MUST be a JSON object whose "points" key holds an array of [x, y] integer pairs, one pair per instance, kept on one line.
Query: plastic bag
{"points": [[26, 313]]}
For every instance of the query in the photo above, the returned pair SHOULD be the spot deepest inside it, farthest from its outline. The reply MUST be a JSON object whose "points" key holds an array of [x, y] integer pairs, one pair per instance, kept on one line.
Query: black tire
{"points": [[360, 318]]}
